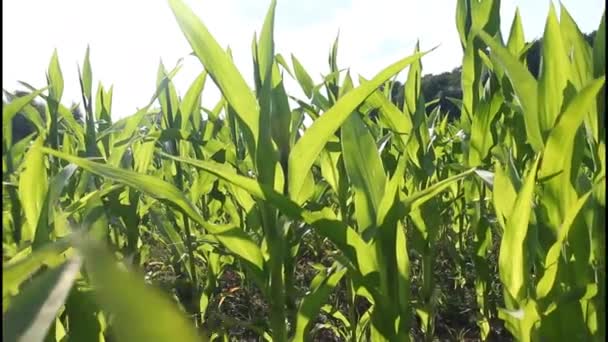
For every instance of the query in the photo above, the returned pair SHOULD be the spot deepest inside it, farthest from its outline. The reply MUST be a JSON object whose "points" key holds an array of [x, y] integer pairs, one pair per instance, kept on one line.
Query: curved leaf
{"points": [[312, 303], [364, 169], [221, 68], [234, 239], [524, 85], [512, 268], [128, 298], [34, 310], [32, 194], [326, 224], [308, 148]]}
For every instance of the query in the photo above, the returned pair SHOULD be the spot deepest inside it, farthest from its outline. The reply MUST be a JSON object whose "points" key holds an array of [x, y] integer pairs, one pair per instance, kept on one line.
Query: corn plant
{"points": [[377, 188]]}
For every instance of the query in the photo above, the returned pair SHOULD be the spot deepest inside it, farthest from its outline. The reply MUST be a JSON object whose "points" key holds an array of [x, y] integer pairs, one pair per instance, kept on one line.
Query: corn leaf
{"points": [[316, 136], [34, 310]]}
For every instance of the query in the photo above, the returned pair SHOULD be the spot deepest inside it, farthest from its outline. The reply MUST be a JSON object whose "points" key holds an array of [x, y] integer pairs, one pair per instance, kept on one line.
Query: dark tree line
{"points": [[447, 85]]}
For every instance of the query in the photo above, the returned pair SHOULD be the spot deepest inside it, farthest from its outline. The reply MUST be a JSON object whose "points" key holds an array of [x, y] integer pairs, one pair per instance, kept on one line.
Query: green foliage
{"points": [[181, 222]]}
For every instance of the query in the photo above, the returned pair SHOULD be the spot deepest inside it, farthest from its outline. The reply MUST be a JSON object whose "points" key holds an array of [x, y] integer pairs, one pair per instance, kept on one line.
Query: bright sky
{"points": [[128, 38]]}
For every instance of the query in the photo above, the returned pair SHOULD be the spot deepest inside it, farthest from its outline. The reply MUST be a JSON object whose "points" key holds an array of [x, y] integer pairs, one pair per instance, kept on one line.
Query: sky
{"points": [[129, 38]]}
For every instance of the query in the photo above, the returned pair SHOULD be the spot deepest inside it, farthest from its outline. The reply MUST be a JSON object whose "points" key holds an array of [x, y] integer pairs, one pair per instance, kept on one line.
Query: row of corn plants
{"points": [[515, 186]]}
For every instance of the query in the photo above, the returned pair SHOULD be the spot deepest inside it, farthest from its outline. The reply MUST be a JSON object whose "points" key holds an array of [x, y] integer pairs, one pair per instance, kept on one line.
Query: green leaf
{"points": [[390, 197], [253, 187], [32, 114], [222, 70], [524, 85], [281, 61], [312, 303], [272, 122], [580, 58], [130, 124], [93, 196], [45, 226], [99, 105], [554, 75], [517, 40], [69, 122], [503, 195], [17, 151], [191, 101], [581, 65], [513, 269], [560, 151], [412, 202], [551, 262], [34, 310], [333, 56], [123, 137], [87, 77], [55, 78], [463, 21], [485, 15], [168, 99], [599, 69], [85, 323], [32, 194], [481, 132], [403, 279], [16, 272], [234, 239], [103, 108], [469, 82], [266, 44], [11, 109], [345, 238], [175, 241], [303, 77], [280, 116], [329, 162], [364, 169], [143, 153], [307, 190], [316, 136], [522, 323], [412, 87], [399, 122], [125, 296]]}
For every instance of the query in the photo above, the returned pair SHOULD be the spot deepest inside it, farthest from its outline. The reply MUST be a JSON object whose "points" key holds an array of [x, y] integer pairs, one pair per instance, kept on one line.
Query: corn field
{"points": [[338, 216]]}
